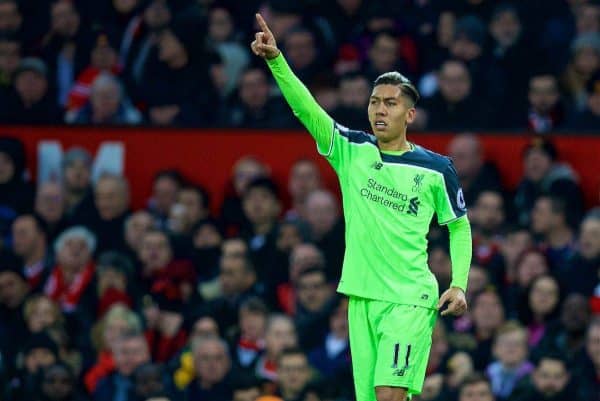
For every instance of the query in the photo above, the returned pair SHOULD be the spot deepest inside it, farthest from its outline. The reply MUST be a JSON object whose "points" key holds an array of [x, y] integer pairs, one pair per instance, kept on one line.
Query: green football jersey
{"points": [[388, 201]]}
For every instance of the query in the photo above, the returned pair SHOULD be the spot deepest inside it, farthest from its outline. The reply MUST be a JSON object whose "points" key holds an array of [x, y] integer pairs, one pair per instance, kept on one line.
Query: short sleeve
{"points": [[449, 198]]}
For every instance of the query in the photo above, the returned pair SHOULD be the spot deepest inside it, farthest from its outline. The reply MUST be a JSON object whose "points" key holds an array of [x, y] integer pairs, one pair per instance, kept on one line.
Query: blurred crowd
{"points": [[528, 65], [172, 301]]}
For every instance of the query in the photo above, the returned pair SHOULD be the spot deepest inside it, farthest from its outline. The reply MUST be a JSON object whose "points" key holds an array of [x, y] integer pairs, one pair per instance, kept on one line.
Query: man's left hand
{"points": [[457, 303]]}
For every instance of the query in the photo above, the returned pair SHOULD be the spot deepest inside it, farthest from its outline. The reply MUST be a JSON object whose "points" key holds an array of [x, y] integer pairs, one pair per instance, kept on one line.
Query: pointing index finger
{"points": [[263, 25]]}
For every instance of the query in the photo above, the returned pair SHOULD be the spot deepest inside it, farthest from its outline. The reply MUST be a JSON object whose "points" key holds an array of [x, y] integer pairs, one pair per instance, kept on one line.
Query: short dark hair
{"points": [[552, 354], [472, 379], [255, 305], [395, 78], [291, 351], [172, 174], [264, 183], [312, 270], [201, 191]]}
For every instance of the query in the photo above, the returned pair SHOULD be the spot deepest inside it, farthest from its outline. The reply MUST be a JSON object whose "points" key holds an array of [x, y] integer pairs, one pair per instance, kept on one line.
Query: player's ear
{"points": [[411, 114]]}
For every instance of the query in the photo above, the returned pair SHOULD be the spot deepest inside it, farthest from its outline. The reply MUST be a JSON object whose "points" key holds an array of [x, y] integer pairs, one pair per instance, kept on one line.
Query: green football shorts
{"points": [[389, 344]]}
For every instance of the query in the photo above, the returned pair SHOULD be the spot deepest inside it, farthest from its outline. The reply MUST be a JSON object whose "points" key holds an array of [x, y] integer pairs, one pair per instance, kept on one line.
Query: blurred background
{"points": [[168, 231]]}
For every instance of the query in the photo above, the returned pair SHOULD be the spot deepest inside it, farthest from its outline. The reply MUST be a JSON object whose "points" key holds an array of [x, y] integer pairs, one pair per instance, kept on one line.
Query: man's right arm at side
{"points": [[303, 104]]}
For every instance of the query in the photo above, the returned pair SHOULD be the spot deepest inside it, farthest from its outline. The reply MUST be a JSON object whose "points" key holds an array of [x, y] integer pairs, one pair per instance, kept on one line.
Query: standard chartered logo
{"points": [[390, 197]]}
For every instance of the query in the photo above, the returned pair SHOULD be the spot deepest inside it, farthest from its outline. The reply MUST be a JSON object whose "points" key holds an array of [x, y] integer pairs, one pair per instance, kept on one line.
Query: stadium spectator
{"points": [[195, 201], [166, 334], [549, 381], [11, 19], [454, 106], [50, 205], [58, 383], [354, 90], [327, 228], [515, 242], [589, 118], [314, 302], [539, 307], [546, 109], [588, 384], [135, 226], [293, 373], [475, 173], [384, 56], [107, 104], [302, 50], [41, 313], [584, 63], [254, 107], [165, 187], [333, 354], [550, 220], [70, 281], [304, 177], [511, 365], [213, 367], [581, 275], [30, 243], [131, 351], [31, 100], [250, 342], [149, 381], [488, 315], [115, 281], [10, 58], [279, 335], [16, 195], [476, 387], [207, 239], [543, 174]]}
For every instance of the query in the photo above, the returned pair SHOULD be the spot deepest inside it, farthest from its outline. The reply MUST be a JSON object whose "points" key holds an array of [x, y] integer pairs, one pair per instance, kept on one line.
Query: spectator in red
{"points": [[70, 280], [248, 345], [118, 321], [103, 59], [114, 282], [280, 334], [546, 109], [165, 334]]}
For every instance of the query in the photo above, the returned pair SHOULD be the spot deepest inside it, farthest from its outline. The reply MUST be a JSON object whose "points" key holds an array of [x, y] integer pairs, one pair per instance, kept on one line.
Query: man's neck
{"points": [[36, 256], [560, 237], [74, 197], [397, 145], [263, 228]]}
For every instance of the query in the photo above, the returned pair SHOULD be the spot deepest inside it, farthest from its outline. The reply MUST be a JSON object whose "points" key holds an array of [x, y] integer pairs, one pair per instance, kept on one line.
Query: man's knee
{"points": [[384, 393]]}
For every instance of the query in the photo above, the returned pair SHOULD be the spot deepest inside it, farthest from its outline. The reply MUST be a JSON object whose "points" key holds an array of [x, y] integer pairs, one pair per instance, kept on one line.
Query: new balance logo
{"points": [[413, 206], [377, 165], [399, 372]]}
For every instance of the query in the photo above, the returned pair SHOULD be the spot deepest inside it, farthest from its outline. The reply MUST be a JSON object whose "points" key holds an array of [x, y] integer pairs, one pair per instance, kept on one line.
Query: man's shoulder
{"points": [[355, 136], [428, 159]]}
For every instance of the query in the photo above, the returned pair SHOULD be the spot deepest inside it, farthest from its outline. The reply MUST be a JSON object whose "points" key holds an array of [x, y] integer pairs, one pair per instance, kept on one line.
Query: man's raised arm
{"points": [[303, 104]]}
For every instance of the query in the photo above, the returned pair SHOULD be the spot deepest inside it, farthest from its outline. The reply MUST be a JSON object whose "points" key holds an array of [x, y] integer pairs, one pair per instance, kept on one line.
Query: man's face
{"points": [[195, 209], [588, 18], [234, 277], [389, 112], [479, 391], [27, 238], [31, 86], [543, 219], [12, 290], [384, 53], [211, 362], [321, 213], [280, 335], [589, 238], [43, 314], [220, 25], [252, 324], [10, 18], [506, 28], [593, 345], [157, 14], [304, 178], [111, 198], [50, 202], [455, 82], [300, 48], [466, 156], [465, 49], [155, 251], [57, 384], [293, 373], [531, 266], [313, 291], [65, 20], [261, 206], [575, 313], [355, 92], [7, 168], [77, 176], [165, 194], [10, 56], [302, 257], [254, 90], [543, 93], [139, 223], [105, 101], [131, 353], [74, 254], [488, 313], [172, 51], [489, 211], [511, 348], [537, 165], [550, 377], [543, 297]]}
